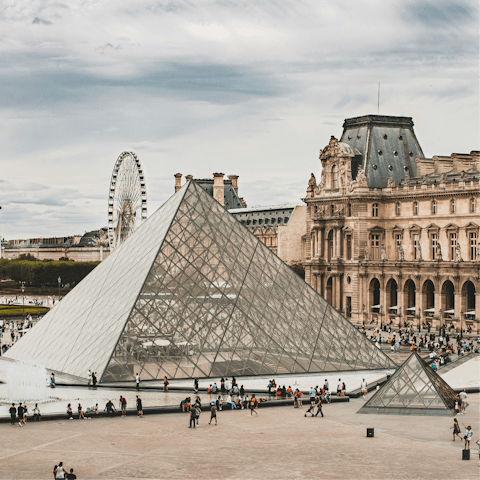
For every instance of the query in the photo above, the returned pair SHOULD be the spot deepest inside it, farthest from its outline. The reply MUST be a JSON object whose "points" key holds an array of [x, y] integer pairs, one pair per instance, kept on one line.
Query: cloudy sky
{"points": [[253, 88]]}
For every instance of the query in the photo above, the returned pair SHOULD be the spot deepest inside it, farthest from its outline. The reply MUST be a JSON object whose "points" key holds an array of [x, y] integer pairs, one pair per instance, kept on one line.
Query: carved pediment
{"points": [[451, 226]]}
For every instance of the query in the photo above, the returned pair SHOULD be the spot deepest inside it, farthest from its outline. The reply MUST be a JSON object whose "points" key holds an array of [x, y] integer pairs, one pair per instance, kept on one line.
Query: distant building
{"points": [[279, 227], [90, 247], [392, 236]]}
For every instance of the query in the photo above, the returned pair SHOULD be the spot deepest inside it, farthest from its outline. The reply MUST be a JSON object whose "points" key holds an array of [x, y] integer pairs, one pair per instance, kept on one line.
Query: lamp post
{"points": [[381, 317], [23, 300], [59, 282], [461, 323], [363, 315]]}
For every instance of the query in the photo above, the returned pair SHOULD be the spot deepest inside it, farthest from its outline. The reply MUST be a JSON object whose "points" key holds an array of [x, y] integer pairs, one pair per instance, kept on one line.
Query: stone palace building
{"points": [[391, 235]]}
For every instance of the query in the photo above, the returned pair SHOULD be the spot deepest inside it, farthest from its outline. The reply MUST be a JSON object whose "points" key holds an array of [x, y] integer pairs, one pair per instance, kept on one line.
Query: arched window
{"points": [[398, 209], [334, 177], [434, 207], [415, 208], [375, 210], [473, 205], [453, 206]]}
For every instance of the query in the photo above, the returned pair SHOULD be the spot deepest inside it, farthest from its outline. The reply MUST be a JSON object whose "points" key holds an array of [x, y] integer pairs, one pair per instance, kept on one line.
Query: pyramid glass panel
{"points": [[414, 389], [194, 293]]}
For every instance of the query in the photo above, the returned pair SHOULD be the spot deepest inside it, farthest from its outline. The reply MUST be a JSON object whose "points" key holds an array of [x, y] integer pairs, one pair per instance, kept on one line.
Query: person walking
{"points": [[213, 413], [468, 435], [13, 414], [463, 396], [165, 383], [94, 379], [319, 406], [193, 416], [89, 378], [139, 407], [69, 412], [137, 382], [20, 411], [253, 405], [60, 471], [312, 402], [456, 429], [123, 405], [52, 380], [195, 385], [363, 387]]}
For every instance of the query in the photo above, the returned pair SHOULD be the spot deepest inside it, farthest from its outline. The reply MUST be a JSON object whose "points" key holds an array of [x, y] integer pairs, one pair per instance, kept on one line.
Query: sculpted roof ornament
{"points": [[337, 149]]}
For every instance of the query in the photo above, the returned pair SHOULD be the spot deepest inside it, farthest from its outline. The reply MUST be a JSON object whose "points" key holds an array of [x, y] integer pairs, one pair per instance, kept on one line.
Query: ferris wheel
{"points": [[127, 199]]}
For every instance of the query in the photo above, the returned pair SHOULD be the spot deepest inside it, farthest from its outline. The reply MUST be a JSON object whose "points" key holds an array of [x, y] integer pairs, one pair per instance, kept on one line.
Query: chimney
{"points": [[218, 188], [188, 177], [178, 182], [234, 179]]}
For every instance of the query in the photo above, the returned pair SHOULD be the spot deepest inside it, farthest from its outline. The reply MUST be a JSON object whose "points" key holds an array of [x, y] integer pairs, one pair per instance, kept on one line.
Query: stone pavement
{"points": [[278, 443]]}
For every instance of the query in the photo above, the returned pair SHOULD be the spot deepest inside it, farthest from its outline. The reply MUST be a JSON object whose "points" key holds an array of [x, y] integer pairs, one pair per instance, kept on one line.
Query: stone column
{"points": [[312, 244], [321, 244], [338, 289], [476, 325], [458, 304], [337, 243], [334, 291], [401, 301]]}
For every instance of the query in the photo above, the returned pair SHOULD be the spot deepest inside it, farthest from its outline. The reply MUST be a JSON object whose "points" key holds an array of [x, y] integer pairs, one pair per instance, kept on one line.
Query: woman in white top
{"points": [[60, 471], [363, 388], [468, 436]]}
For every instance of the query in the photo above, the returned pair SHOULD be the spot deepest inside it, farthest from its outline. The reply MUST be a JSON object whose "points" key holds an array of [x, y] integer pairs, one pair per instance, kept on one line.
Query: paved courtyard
{"points": [[278, 443]]}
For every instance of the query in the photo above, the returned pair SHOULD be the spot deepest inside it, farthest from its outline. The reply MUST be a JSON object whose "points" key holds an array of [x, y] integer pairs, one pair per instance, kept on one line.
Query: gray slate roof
{"points": [[388, 147], [231, 199]]}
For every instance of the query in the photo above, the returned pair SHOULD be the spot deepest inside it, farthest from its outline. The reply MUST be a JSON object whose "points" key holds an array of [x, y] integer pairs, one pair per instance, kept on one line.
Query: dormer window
{"points": [[334, 177]]}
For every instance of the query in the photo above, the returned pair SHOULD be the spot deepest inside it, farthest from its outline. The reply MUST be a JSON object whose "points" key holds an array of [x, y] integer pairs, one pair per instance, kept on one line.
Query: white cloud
{"points": [[252, 88]]}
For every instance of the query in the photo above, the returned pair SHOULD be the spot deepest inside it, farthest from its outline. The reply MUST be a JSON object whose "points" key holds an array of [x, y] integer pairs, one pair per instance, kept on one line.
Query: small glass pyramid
{"points": [[414, 389], [192, 293]]}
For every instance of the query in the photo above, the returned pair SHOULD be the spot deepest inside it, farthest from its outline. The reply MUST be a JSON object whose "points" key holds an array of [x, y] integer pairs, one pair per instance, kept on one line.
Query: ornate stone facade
{"points": [[406, 251]]}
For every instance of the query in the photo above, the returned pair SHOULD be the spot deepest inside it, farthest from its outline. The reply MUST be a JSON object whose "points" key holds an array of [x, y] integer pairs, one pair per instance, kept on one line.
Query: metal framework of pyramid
{"points": [[192, 293], [414, 389]]}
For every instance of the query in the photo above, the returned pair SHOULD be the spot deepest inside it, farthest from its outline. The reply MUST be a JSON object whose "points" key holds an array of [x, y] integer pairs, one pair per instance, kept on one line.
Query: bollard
{"points": [[465, 454], [369, 432]]}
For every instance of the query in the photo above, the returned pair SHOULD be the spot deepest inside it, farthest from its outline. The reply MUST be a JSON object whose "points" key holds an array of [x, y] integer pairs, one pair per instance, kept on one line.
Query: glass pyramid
{"points": [[414, 389], [192, 293]]}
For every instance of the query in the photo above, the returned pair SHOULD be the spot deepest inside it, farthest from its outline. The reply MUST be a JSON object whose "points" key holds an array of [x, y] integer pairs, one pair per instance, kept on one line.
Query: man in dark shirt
{"points": [[13, 414], [109, 408], [20, 411], [71, 475]]}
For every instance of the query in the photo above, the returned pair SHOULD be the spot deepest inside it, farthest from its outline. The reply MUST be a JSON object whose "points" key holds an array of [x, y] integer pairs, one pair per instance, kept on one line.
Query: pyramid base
{"points": [[408, 411]]}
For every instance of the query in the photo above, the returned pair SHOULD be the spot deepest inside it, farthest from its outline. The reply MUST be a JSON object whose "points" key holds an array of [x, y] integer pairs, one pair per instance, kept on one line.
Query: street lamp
{"points": [[381, 317], [23, 300], [461, 323], [363, 315], [59, 282]]}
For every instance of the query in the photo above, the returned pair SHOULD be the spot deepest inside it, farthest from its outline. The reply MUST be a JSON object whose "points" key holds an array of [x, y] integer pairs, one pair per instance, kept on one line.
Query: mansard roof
{"points": [[388, 146]]}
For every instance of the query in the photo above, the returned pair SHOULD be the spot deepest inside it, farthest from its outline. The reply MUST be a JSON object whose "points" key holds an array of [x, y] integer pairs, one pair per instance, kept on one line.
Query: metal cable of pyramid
{"points": [[193, 293], [414, 389]]}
